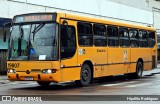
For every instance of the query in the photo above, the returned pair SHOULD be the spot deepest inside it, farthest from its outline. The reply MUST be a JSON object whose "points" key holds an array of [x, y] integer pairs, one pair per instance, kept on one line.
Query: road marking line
{"points": [[111, 85], [121, 83], [29, 84], [138, 85], [13, 83]]}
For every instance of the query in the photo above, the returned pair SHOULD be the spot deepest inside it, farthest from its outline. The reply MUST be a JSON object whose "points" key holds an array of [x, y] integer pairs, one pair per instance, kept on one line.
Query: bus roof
{"points": [[103, 21], [94, 20]]}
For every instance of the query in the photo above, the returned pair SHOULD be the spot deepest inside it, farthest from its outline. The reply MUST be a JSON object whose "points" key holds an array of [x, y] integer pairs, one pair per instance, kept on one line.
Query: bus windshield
{"points": [[37, 41]]}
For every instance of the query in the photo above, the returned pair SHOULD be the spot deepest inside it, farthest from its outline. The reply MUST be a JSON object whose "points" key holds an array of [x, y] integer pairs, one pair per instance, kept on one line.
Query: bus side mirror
{"points": [[7, 25], [65, 23]]}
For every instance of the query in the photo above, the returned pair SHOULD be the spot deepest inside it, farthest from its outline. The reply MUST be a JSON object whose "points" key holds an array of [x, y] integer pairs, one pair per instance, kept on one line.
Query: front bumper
{"points": [[22, 76]]}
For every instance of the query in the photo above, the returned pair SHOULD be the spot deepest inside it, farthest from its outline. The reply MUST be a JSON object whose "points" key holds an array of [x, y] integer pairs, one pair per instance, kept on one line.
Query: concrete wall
{"points": [[134, 11], [95, 8], [145, 5], [157, 20], [156, 13], [141, 4]]}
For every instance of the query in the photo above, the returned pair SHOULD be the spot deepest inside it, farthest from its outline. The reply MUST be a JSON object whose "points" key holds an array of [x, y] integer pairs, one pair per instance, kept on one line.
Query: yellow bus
{"points": [[60, 47]]}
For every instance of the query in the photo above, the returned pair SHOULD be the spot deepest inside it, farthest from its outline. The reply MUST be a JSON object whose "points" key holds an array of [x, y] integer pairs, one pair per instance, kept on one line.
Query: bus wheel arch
{"points": [[140, 60], [86, 74]]}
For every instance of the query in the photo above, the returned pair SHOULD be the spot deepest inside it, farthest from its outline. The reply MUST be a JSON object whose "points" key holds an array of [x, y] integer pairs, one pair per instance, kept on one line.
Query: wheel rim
{"points": [[85, 74]]}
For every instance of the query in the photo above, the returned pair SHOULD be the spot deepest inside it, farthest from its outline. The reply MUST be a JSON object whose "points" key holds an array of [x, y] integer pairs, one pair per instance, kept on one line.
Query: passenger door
{"points": [[68, 50]]}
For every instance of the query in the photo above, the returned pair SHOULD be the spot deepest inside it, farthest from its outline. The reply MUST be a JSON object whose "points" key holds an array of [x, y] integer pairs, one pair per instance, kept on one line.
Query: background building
{"points": [[142, 12]]}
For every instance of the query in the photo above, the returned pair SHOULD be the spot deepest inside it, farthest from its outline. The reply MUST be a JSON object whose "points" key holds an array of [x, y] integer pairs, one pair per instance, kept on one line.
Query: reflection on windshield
{"points": [[29, 46]]}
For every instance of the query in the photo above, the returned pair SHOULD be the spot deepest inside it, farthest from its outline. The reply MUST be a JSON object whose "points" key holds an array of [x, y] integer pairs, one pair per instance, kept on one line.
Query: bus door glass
{"points": [[68, 44]]}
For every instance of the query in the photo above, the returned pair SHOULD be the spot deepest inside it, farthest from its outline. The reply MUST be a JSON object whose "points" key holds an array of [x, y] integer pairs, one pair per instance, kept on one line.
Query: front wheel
{"points": [[43, 83], [85, 76]]}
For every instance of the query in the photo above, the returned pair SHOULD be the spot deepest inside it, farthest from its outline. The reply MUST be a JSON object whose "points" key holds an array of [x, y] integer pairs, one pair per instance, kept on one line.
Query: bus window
{"points": [[143, 39], [151, 39], [124, 39], [133, 34], [85, 36], [100, 38], [68, 41], [113, 39]]}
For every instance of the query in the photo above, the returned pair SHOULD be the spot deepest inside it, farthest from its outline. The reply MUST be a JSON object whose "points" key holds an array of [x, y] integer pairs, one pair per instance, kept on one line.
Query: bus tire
{"points": [[43, 83], [139, 70], [85, 76]]}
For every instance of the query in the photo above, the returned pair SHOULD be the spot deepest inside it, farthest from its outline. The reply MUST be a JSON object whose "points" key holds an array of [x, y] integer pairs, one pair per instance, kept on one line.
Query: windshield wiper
{"points": [[37, 28]]}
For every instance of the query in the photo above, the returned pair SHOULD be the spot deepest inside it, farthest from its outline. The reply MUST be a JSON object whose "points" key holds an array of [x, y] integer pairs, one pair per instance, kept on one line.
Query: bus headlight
{"points": [[49, 71], [11, 71]]}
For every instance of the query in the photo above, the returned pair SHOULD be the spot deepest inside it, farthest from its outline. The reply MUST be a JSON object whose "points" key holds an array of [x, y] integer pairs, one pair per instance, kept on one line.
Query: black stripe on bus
{"points": [[100, 65], [106, 64], [20, 71], [70, 66], [147, 61]]}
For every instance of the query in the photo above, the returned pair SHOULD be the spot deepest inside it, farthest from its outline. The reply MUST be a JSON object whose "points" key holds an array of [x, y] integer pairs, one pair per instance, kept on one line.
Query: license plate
{"points": [[28, 78]]}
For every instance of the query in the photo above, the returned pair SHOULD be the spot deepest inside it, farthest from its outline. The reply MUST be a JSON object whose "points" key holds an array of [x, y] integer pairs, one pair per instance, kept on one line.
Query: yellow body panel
{"points": [[106, 61], [35, 68]]}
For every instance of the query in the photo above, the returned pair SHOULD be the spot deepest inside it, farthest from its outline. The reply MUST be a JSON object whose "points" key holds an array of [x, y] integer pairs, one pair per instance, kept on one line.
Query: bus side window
{"points": [[112, 34], [151, 39], [100, 38], [68, 41], [124, 38], [133, 34], [143, 41], [85, 36]]}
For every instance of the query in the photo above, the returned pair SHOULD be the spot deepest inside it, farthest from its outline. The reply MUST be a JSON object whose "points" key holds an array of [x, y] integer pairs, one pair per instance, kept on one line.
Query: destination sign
{"points": [[38, 18], [34, 18]]}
